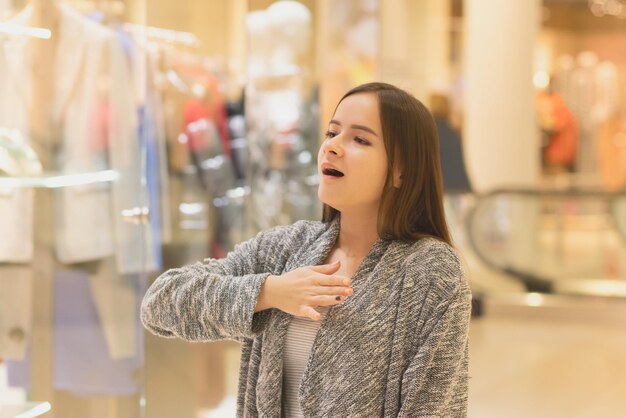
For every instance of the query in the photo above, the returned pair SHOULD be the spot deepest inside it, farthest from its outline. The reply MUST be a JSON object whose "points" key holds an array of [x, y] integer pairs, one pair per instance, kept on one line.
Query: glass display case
{"points": [[78, 186]]}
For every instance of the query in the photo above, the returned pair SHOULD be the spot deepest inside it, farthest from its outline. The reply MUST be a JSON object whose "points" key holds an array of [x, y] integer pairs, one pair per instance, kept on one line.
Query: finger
{"points": [[309, 312], [333, 280], [328, 300], [334, 290], [327, 268]]}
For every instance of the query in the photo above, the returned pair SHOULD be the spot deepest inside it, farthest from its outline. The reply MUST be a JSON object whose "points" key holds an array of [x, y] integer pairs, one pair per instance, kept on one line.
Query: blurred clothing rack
{"points": [[160, 34]]}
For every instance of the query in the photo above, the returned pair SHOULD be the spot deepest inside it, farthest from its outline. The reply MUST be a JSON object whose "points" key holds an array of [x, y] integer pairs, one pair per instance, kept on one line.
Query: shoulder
{"points": [[435, 265]]}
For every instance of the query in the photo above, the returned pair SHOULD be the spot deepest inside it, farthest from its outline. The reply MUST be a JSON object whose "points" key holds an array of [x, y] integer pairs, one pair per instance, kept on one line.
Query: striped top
{"points": [[298, 343]]}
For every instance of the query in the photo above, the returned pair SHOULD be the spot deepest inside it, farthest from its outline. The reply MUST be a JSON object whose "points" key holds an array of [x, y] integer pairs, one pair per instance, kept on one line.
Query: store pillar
{"points": [[500, 136], [501, 143]]}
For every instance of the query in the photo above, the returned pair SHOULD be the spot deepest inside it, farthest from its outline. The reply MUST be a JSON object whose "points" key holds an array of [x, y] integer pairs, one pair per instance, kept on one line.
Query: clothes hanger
{"points": [[17, 158]]}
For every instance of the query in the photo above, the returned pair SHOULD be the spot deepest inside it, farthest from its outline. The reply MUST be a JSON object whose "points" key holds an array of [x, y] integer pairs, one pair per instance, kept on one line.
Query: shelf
{"points": [[25, 410], [53, 181]]}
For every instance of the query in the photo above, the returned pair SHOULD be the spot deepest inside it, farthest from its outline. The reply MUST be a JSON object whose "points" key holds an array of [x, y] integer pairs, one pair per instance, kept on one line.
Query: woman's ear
{"points": [[397, 178]]}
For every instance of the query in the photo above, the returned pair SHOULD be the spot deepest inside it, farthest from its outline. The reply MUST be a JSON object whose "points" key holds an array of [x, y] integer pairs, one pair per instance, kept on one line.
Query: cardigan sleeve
{"points": [[215, 299], [435, 384]]}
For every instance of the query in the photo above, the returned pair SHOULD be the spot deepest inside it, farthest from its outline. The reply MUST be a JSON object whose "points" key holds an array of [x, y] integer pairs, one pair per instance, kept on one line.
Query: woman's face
{"points": [[352, 160]]}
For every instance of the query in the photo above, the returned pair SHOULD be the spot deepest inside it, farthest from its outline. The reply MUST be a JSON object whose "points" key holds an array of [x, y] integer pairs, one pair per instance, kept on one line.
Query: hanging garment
{"points": [[16, 294], [83, 364], [611, 140], [214, 111], [91, 77], [98, 131], [559, 125]]}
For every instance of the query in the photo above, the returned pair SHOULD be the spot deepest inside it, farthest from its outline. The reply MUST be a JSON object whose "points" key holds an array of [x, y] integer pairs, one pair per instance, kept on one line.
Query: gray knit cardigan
{"points": [[398, 347]]}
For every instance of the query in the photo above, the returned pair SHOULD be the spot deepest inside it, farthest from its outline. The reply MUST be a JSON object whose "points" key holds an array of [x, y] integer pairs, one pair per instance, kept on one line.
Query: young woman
{"points": [[364, 314]]}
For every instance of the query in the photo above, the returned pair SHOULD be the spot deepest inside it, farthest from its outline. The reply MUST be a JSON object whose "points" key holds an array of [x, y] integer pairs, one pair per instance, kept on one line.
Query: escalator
{"points": [[554, 242]]}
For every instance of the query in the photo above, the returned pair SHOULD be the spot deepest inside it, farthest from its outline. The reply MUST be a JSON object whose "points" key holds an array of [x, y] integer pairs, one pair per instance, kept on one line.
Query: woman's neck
{"points": [[357, 234]]}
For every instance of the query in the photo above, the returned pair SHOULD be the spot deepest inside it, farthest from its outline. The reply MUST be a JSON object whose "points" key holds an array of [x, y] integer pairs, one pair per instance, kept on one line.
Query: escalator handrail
{"points": [[556, 192], [533, 282]]}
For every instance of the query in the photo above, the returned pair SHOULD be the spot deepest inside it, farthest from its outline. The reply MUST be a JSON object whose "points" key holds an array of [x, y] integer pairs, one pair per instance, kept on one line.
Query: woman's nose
{"points": [[332, 145]]}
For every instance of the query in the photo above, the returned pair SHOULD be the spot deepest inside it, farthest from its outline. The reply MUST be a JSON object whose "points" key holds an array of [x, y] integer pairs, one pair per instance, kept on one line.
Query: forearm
{"points": [[196, 305]]}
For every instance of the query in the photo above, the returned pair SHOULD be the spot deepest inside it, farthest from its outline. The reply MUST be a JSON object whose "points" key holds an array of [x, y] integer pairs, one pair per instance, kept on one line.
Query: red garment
{"points": [[212, 106], [196, 109], [563, 141], [100, 119]]}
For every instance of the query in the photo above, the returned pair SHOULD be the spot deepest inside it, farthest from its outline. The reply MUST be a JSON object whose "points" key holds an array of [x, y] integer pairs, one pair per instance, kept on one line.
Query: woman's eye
{"points": [[361, 141], [330, 134]]}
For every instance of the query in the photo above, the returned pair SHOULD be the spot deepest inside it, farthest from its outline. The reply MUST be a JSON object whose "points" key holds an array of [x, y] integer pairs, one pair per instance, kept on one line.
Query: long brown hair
{"points": [[415, 209]]}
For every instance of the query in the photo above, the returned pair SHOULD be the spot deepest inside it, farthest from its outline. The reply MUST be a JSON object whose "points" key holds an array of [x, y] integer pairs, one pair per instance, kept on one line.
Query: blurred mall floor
{"points": [[523, 364], [547, 368]]}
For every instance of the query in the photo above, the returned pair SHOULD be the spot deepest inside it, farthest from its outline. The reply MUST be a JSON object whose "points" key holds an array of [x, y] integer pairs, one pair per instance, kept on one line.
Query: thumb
{"points": [[327, 268], [311, 313]]}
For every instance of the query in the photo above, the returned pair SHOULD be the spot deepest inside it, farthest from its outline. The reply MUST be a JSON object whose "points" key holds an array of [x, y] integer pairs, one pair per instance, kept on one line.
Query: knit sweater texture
{"points": [[398, 347]]}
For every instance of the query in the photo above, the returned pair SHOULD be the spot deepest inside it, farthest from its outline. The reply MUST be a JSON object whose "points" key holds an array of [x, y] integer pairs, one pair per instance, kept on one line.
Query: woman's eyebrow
{"points": [[361, 127]]}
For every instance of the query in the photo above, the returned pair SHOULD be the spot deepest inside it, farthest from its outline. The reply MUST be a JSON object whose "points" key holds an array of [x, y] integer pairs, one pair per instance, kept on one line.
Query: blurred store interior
{"points": [[137, 136]]}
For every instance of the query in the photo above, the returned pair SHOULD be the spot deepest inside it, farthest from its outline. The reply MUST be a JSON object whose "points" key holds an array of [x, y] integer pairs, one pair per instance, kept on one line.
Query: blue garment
{"points": [[147, 138]]}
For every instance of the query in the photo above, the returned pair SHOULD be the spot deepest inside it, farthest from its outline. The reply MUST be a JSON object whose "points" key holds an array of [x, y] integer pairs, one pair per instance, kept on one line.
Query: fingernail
{"points": [[338, 298]]}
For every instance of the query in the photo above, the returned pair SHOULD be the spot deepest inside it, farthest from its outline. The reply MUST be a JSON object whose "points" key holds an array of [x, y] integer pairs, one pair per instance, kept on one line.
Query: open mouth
{"points": [[332, 172]]}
